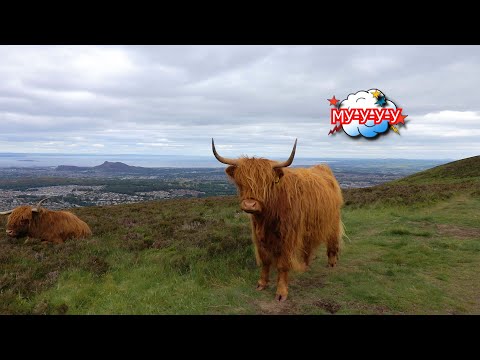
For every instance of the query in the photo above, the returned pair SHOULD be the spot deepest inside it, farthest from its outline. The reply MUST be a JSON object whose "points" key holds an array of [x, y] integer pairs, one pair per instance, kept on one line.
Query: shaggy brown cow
{"points": [[292, 212], [46, 225]]}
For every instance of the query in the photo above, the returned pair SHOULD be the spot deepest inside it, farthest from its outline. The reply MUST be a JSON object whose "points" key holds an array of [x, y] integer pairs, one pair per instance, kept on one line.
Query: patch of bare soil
{"points": [[299, 285], [305, 282], [370, 308], [273, 307], [328, 305], [293, 306], [457, 231]]}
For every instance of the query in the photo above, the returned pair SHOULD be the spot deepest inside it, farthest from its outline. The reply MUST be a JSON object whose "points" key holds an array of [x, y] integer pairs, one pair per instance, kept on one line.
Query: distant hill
{"points": [[106, 167]]}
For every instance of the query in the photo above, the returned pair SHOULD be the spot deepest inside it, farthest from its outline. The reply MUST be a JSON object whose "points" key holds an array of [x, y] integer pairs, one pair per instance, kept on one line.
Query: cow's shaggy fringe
{"points": [[47, 225], [301, 210]]}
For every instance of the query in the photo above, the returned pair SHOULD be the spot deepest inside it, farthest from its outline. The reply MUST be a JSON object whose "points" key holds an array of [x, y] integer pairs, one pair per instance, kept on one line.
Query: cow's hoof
{"points": [[281, 297], [303, 268], [261, 287]]}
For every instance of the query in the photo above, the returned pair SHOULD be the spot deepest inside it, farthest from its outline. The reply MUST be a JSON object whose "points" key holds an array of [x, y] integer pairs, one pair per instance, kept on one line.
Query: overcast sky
{"points": [[253, 100]]}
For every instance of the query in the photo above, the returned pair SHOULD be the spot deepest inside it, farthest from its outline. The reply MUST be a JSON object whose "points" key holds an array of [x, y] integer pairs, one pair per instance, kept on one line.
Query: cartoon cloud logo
{"points": [[366, 113]]}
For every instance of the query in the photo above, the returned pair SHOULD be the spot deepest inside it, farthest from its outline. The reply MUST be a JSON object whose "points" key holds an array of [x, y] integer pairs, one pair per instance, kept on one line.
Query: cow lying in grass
{"points": [[46, 225], [292, 212]]}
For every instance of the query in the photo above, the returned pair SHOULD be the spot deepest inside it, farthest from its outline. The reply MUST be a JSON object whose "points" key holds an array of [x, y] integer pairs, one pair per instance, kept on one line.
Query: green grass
{"points": [[416, 255], [195, 257]]}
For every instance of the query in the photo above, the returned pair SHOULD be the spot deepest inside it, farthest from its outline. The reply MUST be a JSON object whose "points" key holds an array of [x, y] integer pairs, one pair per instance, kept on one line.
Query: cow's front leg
{"points": [[264, 277], [282, 285]]}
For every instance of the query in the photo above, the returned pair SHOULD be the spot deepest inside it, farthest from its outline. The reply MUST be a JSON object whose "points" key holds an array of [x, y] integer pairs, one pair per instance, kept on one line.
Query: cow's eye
{"points": [[230, 171]]}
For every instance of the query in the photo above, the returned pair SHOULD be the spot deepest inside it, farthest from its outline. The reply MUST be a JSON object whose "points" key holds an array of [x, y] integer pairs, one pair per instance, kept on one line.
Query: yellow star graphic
{"points": [[376, 93]]}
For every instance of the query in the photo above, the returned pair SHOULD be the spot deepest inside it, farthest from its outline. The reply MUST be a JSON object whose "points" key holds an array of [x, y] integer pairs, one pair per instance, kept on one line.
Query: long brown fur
{"points": [[301, 210], [47, 225]]}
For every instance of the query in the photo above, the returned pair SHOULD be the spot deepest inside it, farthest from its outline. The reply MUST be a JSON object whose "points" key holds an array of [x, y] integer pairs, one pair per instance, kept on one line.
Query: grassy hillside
{"points": [[413, 248], [457, 171], [426, 187]]}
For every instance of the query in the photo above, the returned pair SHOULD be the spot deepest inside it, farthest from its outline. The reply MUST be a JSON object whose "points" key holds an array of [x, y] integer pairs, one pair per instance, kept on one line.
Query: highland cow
{"points": [[292, 211], [46, 225]]}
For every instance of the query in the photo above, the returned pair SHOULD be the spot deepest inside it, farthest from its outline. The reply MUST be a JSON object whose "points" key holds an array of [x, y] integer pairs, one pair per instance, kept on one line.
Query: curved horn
{"points": [[6, 212], [35, 209], [221, 158], [290, 159]]}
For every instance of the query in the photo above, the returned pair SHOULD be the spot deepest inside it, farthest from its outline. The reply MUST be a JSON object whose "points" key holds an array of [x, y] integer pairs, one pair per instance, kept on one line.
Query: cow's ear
{"points": [[230, 170], [278, 173]]}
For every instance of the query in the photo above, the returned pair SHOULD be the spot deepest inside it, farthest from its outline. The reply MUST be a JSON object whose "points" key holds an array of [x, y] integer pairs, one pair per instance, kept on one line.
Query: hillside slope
{"points": [[456, 171], [426, 187], [403, 255]]}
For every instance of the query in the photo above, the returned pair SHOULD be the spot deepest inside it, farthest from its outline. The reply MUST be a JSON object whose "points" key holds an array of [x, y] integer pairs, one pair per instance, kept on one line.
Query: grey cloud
{"points": [[255, 99]]}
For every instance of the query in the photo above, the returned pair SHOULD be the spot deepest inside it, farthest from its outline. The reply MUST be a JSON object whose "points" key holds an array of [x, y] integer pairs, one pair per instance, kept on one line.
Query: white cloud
{"points": [[157, 144], [97, 62], [449, 116]]}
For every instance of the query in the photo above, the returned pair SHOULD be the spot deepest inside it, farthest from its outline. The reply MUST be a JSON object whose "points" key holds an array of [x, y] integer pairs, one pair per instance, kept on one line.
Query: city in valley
{"points": [[112, 183]]}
